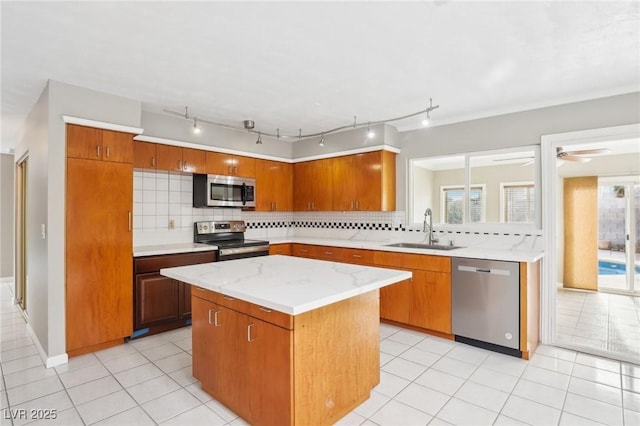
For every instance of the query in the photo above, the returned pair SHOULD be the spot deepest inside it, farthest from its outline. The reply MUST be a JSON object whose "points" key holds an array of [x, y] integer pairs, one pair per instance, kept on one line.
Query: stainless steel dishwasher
{"points": [[485, 301]]}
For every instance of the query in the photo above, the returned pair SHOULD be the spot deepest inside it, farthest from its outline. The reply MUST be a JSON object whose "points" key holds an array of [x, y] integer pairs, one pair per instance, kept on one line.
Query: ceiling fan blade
{"points": [[575, 159], [589, 151]]}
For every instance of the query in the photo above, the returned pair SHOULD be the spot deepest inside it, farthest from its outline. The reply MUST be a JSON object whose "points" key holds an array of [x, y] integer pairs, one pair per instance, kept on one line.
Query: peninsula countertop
{"points": [[291, 285]]}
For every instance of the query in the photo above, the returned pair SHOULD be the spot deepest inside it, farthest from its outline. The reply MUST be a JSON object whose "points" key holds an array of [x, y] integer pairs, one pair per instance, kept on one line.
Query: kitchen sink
{"points": [[423, 246]]}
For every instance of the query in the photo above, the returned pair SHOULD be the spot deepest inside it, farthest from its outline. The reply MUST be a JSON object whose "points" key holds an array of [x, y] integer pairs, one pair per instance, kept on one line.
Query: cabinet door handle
{"points": [[179, 164], [153, 161], [328, 252], [303, 250], [357, 205], [185, 166], [352, 205], [357, 255], [108, 152], [263, 309], [130, 220], [210, 315], [249, 337], [216, 323], [229, 169], [98, 150]]}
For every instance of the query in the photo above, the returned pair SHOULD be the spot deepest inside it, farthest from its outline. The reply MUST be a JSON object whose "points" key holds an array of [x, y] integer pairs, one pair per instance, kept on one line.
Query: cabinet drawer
{"points": [[269, 315], [424, 262], [328, 253], [303, 250], [357, 256], [203, 293], [155, 263], [284, 249]]}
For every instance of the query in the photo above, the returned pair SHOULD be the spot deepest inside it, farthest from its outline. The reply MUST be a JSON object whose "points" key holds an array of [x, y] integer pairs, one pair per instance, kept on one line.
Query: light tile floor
{"points": [[603, 321], [424, 380]]}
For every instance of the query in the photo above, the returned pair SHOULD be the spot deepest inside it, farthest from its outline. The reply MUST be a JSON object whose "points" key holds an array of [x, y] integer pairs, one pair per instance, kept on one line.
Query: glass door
{"points": [[618, 234]]}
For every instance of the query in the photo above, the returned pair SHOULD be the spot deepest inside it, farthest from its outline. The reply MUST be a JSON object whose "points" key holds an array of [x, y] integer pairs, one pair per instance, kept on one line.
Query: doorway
{"points": [[21, 235], [592, 321], [618, 234]]}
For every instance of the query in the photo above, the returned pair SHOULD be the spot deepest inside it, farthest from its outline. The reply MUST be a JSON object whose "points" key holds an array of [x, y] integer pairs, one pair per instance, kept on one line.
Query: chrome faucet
{"points": [[428, 212]]}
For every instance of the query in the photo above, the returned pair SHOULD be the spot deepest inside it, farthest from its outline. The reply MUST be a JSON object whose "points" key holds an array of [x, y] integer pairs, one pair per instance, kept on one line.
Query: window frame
{"points": [[465, 200], [504, 185]]}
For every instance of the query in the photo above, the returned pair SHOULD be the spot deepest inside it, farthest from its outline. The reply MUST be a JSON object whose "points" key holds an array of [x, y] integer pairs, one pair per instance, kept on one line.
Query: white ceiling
{"points": [[315, 65]]}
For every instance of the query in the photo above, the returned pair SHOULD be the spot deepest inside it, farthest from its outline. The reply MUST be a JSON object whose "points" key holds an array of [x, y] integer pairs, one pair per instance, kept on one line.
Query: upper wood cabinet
{"points": [[144, 155], [230, 165], [97, 144], [178, 159], [364, 182], [274, 180], [313, 185]]}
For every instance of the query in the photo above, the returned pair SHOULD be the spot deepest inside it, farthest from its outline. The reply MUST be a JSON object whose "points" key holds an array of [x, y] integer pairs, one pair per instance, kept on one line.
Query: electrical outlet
{"points": [[172, 224]]}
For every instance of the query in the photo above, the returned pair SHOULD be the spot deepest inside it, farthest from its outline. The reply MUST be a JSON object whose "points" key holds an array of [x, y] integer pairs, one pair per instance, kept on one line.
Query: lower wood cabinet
{"points": [[283, 249], [162, 303], [272, 370], [424, 301]]}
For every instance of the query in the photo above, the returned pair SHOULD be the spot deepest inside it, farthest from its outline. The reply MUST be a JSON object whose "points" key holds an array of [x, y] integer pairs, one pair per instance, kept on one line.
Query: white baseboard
{"points": [[49, 361]]}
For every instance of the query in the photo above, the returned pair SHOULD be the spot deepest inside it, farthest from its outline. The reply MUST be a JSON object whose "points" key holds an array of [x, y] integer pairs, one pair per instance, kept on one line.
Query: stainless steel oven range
{"points": [[229, 237]]}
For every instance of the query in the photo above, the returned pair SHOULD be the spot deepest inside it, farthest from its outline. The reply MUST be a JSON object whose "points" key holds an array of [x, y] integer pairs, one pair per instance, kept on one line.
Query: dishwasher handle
{"points": [[464, 268]]}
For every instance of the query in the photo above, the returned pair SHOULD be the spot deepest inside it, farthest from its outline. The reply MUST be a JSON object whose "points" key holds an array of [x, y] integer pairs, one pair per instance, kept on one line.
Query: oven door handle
{"points": [[243, 194], [243, 250]]}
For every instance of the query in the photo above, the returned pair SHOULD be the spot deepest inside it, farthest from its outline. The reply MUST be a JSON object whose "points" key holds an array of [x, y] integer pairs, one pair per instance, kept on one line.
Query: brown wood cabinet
{"points": [[162, 303], [313, 185], [270, 372], [178, 159], [144, 155], [364, 182], [98, 239], [425, 300], [274, 180], [243, 361], [218, 163], [97, 144], [283, 249]]}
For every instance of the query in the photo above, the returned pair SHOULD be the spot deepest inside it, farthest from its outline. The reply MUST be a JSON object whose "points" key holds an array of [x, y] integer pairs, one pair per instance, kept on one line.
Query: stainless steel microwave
{"points": [[223, 191]]}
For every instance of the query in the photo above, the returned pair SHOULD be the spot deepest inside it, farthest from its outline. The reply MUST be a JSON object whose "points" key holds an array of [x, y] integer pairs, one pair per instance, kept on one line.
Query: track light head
{"points": [[259, 141], [370, 133], [425, 122], [321, 143], [196, 129]]}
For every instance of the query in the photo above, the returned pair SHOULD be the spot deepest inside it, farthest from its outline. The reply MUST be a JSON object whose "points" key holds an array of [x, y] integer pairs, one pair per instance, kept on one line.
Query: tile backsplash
{"points": [[161, 197]]}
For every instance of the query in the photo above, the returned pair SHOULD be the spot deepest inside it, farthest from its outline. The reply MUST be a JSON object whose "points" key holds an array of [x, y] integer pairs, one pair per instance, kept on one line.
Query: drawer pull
{"points": [[328, 252], [357, 255], [231, 299], [249, 337], [263, 309]]}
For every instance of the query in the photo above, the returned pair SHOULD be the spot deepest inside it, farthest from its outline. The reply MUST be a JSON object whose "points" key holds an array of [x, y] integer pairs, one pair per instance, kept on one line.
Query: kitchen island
{"points": [[283, 340]]}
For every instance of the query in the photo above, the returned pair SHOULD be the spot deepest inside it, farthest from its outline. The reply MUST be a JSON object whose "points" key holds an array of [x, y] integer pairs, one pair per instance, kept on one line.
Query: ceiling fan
{"points": [[579, 156]]}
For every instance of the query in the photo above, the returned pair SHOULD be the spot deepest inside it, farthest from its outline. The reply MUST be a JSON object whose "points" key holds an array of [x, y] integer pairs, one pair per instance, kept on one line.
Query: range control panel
{"points": [[211, 227]]}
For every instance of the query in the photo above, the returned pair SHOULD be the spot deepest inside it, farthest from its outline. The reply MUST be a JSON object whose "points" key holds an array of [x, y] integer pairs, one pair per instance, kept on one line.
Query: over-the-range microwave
{"points": [[223, 191]]}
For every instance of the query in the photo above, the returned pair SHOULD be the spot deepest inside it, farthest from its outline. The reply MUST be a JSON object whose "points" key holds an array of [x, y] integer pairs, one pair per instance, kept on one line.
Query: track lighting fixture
{"points": [[370, 133], [248, 125], [425, 122]]}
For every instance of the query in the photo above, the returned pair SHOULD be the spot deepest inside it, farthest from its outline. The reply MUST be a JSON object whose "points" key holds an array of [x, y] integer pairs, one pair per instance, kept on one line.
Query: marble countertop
{"points": [[291, 285], [511, 255], [140, 251], [523, 255]]}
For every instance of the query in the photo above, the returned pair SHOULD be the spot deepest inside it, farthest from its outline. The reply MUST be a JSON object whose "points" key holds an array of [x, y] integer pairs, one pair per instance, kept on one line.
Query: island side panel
{"points": [[336, 358]]}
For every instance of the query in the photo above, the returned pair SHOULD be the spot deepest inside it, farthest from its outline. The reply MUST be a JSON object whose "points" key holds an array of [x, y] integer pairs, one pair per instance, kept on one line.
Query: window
{"points": [[453, 204], [517, 203]]}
